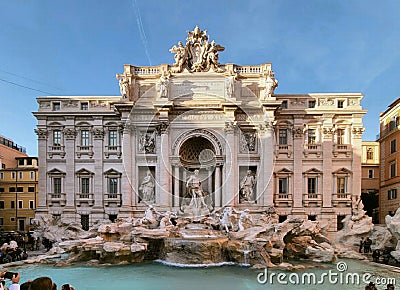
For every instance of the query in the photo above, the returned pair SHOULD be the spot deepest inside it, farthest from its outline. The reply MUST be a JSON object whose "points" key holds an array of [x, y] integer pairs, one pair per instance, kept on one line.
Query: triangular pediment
{"points": [[84, 171], [55, 171], [313, 171], [342, 171], [284, 171], [112, 171]]}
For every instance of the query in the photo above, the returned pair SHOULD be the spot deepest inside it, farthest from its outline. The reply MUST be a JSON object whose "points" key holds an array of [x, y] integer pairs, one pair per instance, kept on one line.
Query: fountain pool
{"points": [[154, 275]]}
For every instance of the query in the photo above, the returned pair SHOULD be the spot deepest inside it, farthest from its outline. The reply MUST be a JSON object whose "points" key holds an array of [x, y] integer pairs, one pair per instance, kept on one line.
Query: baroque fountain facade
{"points": [[199, 162]]}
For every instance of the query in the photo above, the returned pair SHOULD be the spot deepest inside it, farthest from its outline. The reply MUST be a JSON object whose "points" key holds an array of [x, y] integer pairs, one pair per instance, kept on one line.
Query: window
{"points": [[340, 136], [340, 104], [112, 138], [312, 185], [84, 106], [29, 162], [311, 136], [283, 185], [341, 185], [1, 175], [1, 189], [392, 194], [392, 169], [370, 173], [32, 204], [12, 219], [32, 175], [56, 106], [13, 175], [20, 175], [57, 138], [12, 205], [20, 189], [284, 105], [57, 185], [113, 186], [1, 221], [311, 104], [2, 204], [85, 138], [312, 218], [31, 189], [85, 185], [283, 138], [393, 146], [21, 162], [20, 204], [370, 154], [12, 189], [394, 122]]}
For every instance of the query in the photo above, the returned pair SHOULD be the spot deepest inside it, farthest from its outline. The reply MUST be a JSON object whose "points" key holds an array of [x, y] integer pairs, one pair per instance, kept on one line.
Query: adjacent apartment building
{"points": [[370, 179], [18, 194], [389, 201], [103, 157]]}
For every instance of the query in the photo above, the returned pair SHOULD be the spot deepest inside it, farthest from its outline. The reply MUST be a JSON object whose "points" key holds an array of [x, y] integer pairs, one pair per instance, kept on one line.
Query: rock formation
{"points": [[252, 238], [356, 226]]}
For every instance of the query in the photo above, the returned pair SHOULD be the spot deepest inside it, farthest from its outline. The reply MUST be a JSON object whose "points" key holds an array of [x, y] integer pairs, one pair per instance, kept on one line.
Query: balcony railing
{"points": [[341, 149], [284, 149], [54, 199], [312, 199], [313, 148], [112, 150], [112, 199], [56, 150], [84, 150], [84, 199], [341, 198], [283, 199]]}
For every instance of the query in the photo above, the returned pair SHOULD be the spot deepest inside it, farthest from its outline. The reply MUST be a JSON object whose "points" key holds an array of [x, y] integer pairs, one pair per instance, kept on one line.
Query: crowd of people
{"points": [[41, 283]]}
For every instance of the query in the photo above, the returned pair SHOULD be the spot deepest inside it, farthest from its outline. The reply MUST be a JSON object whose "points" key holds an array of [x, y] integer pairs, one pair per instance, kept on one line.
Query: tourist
{"points": [[376, 255], [3, 285], [389, 287], [386, 257], [26, 285], [67, 287], [42, 283], [361, 245], [15, 280], [367, 245]]}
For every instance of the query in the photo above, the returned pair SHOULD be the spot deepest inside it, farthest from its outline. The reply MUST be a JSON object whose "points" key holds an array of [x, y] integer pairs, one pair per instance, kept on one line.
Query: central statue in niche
{"points": [[197, 205]]}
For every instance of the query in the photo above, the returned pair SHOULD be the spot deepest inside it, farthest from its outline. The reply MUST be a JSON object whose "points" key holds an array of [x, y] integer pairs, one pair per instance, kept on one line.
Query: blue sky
{"points": [[76, 47]]}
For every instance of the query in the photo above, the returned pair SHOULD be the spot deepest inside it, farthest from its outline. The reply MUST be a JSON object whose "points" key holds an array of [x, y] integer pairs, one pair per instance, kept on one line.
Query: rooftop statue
{"points": [[198, 55]]}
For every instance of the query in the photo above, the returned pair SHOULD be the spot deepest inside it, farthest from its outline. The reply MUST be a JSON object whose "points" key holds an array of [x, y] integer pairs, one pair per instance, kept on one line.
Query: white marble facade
{"points": [[109, 157]]}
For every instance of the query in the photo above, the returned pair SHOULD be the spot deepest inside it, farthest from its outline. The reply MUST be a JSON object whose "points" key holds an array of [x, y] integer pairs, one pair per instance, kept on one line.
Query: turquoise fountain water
{"points": [[145, 276]]}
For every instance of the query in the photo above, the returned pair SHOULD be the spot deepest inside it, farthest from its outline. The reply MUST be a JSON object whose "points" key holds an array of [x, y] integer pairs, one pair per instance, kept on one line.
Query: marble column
{"points": [[176, 186], [297, 187], [98, 185], [41, 207], [128, 153], [217, 195], [164, 189], [70, 178], [231, 186], [265, 171]]}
